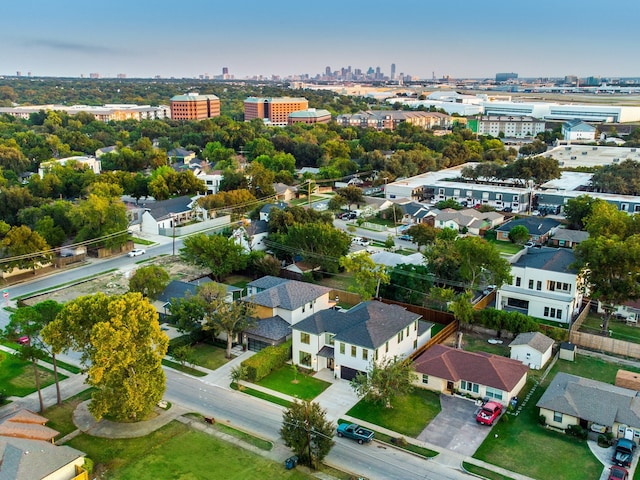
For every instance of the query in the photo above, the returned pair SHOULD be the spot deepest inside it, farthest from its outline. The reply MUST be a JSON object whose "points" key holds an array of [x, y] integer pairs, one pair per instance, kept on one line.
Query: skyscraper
{"points": [[393, 71]]}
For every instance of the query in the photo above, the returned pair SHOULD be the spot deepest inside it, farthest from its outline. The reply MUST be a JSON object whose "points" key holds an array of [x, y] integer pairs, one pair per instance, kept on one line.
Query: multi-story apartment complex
{"points": [[273, 110], [193, 106], [390, 119], [509, 126], [105, 113], [310, 115]]}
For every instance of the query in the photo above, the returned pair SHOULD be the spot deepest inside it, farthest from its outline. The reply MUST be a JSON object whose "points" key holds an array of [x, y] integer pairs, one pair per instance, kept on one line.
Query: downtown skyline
{"points": [[285, 38]]}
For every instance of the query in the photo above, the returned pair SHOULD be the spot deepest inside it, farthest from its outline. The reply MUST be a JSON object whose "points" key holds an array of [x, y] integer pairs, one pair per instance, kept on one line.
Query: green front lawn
{"points": [[483, 472], [209, 356], [264, 396], [61, 417], [17, 379], [506, 247], [409, 416], [298, 385], [176, 451]]}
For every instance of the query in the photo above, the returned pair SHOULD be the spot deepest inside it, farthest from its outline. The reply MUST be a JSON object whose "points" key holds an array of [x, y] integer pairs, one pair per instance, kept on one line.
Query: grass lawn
{"points": [[142, 241], [301, 385], [16, 376], [208, 356], [176, 451], [409, 416], [483, 472], [480, 344], [264, 396], [183, 368], [620, 330], [304, 200], [60, 418], [506, 247], [522, 445]]}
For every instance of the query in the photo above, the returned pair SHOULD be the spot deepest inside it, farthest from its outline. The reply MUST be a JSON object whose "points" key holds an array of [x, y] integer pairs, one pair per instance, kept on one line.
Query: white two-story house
{"points": [[347, 342], [545, 285]]}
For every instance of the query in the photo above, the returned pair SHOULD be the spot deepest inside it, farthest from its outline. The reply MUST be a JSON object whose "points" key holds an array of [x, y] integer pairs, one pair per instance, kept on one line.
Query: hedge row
{"points": [[266, 361]]}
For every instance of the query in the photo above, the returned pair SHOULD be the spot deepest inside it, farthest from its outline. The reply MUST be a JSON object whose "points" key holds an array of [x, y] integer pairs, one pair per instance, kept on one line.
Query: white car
{"points": [[136, 251]]}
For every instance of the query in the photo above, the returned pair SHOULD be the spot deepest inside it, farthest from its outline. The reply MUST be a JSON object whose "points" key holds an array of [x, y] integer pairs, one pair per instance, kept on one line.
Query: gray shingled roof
{"points": [[272, 328], [591, 400], [290, 295], [368, 324], [165, 208], [574, 236], [179, 289], [535, 225], [24, 459], [268, 281], [550, 259], [535, 340]]}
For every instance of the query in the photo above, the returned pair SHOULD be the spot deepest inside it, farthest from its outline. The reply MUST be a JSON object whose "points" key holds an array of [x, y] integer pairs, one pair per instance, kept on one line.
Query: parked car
{"points": [[137, 251], [618, 473], [507, 209], [360, 241], [529, 244], [23, 340], [489, 413], [356, 432], [406, 237], [623, 454]]}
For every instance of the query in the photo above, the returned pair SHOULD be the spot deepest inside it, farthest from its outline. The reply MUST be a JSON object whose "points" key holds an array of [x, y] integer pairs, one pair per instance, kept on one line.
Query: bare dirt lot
{"points": [[117, 282]]}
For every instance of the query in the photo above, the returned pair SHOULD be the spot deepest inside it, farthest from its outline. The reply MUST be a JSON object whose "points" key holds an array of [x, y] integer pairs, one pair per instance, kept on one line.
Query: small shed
{"points": [[627, 379], [532, 349], [567, 351]]}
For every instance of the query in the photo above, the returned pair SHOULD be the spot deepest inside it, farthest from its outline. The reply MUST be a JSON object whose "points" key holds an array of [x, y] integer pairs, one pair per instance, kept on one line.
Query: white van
{"points": [[360, 241]]}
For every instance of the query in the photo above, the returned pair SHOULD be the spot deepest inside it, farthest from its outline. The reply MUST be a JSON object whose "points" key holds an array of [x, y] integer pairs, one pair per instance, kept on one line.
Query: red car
{"points": [[489, 412], [618, 473], [23, 340]]}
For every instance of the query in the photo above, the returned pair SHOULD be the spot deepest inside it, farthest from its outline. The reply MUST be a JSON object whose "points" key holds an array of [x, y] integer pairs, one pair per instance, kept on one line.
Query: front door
{"points": [[449, 386], [330, 363]]}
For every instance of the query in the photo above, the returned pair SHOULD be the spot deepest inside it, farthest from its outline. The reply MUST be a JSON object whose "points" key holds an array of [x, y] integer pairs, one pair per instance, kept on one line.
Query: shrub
{"points": [[266, 361], [399, 442], [542, 420], [577, 431]]}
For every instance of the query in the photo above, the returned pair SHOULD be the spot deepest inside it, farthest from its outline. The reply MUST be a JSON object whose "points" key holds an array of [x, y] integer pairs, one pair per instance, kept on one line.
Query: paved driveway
{"points": [[455, 427]]}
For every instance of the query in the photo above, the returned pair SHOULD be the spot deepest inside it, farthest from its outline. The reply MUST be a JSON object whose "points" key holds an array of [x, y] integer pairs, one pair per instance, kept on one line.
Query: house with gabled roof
{"points": [[567, 238], [545, 284], [598, 406], [478, 374], [347, 342], [472, 220], [181, 154], [533, 349], [163, 215], [266, 209], [573, 130], [414, 213], [539, 228], [178, 290]]}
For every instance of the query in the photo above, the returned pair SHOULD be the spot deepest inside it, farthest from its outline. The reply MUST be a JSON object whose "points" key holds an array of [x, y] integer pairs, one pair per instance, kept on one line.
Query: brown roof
{"points": [[26, 424], [627, 379], [478, 367]]}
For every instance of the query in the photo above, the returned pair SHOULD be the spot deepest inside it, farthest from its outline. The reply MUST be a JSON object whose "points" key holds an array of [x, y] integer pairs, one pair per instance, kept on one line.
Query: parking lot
{"points": [[455, 427]]}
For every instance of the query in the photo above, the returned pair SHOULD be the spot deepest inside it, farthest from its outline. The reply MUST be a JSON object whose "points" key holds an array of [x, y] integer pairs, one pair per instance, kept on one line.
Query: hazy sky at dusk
{"points": [[143, 38]]}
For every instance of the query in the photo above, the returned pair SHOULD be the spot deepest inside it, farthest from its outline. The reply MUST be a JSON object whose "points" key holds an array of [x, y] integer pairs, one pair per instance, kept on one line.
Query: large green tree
{"points": [[122, 348], [384, 380], [611, 258], [481, 262], [576, 210], [220, 254], [306, 430], [367, 274], [150, 281], [24, 248]]}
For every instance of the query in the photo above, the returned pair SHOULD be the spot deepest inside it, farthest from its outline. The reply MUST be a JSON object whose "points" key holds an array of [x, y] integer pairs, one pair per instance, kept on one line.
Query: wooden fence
{"points": [[439, 337], [428, 314], [601, 343]]}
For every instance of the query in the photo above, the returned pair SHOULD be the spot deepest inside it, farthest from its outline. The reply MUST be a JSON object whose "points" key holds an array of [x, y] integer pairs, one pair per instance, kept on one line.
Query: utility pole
{"points": [[173, 223]]}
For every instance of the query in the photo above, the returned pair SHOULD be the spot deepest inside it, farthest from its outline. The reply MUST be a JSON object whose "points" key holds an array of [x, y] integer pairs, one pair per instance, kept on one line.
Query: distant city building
{"points": [[509, 126], [393, 71], [193, 106], [273, 110], [105, 113], [94, 75], [310, 115], [122, 75], [576, 130], [503, 77], [91, 162]]}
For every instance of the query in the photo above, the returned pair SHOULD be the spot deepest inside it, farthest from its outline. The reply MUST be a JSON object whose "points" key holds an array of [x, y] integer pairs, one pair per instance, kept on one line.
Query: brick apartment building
{"points": [[275, 110], [193, 106]]}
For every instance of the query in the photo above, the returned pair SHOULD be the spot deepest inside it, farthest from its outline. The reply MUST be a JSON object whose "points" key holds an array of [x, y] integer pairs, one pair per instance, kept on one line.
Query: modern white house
{"points": [[532, 349], [251, 235], [91, 163], [577, 130], [545, 285], [347, 342]]}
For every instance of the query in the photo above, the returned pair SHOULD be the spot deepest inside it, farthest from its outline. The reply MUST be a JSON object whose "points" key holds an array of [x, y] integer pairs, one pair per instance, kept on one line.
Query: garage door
{"points": [[256, 345], [347, 373]]}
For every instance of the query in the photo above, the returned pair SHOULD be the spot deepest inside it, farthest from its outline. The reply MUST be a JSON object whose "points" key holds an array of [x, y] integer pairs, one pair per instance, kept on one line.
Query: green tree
{"points": [[462, 308], [184, 354], [519, 234], [48, 311], [352, 194], [26, 321], [384, 380], [122, 348], [220, 254], [576, 210], [450, 203], [408, 283], [150, 281], [367, 275], [481, 262], [101, 217], [423, 234], [24, 248], [222, 315], [306, 431]]}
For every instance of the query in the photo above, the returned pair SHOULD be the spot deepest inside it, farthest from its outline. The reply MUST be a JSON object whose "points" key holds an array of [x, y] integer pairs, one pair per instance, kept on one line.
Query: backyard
{"points": [[619, 329], [521, 444], [506, 248]]}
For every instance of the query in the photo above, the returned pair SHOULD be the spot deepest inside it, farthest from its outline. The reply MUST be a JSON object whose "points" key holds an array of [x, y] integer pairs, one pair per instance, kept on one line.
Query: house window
{"points": [[400, 336], [328, 338], [518, 281], [376, 354], [415, 344], [538, 285], [303, 307], [342, 348], [531, 284], [305, 359], [305, 338], [365, 354], [407, 331], [386, 347], [557, 417], [425, 378], [494, 393], [354, 350], [469, 386]]}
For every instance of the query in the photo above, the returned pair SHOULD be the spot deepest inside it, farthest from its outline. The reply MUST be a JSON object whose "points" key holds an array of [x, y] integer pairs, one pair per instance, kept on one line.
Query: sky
{"points": [[188, 38]]}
